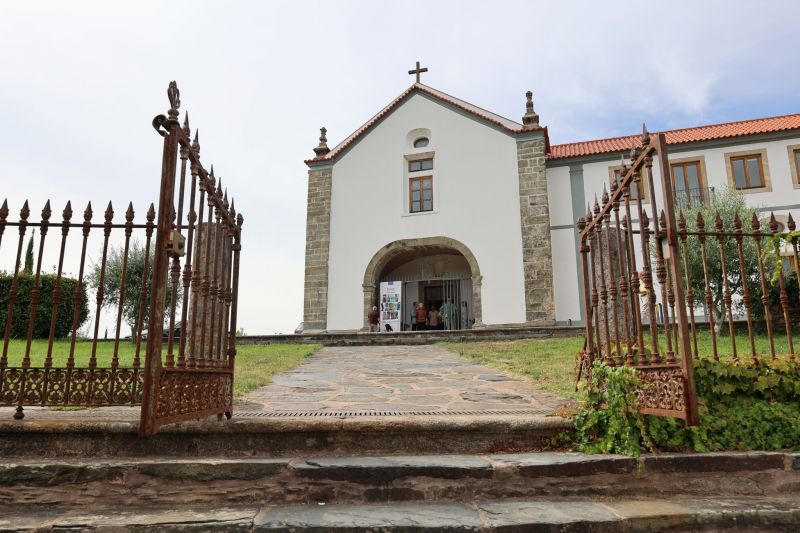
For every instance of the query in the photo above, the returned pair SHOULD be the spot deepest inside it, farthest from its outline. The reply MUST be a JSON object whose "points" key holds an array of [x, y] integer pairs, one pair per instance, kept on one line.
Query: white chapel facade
{"points": [[459, 204]]}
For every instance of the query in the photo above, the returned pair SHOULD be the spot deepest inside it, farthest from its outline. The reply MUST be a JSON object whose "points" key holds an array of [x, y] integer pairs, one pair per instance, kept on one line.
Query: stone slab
{"points": [[714, 462], [526, 515], [384, 469], [405, 518], [42, 473], [213, 469], [566, 464], [503, 515], [224, 519]]}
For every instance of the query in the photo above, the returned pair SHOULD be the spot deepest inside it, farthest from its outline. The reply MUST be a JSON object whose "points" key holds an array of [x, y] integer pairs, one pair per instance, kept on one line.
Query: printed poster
{"points": [[391, 292]]}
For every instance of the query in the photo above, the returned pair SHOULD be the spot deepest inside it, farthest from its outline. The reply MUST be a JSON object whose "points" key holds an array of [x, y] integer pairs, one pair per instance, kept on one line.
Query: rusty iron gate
{"points": [[185, 312], [641, 301], [612, 276]]}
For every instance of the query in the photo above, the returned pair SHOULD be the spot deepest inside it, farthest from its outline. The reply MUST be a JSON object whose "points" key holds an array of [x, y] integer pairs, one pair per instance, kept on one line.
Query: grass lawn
{"points": [[550, 363], [255, 363]]}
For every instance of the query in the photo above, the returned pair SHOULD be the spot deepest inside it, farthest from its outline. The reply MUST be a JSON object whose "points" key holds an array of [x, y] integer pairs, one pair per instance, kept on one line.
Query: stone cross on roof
{"points": [[418, 71]]}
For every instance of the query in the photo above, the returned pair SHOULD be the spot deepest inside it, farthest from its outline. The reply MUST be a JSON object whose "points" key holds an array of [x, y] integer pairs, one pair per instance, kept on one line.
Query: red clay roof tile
{"points": [[681, 136]]}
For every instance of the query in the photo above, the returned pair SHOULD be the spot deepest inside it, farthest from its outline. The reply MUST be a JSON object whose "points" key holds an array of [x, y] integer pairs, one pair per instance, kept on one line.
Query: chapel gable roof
{"points": [[681, 136], [504, 124]]}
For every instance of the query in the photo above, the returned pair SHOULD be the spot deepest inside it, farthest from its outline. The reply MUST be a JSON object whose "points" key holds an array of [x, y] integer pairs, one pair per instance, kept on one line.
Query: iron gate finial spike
{"points": [[4, 209], [755, 223], [718, 223], [196, 142], [67, 213], [46, 211], [174, 96], [129, 213], [773, 223], [151, 212], [87, 213], [186, 129], [109, 214], [25, 211], [789, 222]]}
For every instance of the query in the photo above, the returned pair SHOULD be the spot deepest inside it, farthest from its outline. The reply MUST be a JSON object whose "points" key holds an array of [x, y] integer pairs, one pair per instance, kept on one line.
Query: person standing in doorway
{"points": [[373, 317], [422, 317], [448, 314], [434, 318], [464, 315], [413, 316]]}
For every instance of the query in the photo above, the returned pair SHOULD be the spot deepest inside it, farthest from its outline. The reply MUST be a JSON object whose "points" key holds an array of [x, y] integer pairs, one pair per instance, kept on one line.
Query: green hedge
{"points": [[743, 405], [41, 324]]}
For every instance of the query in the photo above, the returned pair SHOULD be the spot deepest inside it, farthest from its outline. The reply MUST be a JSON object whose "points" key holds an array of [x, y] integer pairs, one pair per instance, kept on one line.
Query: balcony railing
{"points": [[688, 198]]}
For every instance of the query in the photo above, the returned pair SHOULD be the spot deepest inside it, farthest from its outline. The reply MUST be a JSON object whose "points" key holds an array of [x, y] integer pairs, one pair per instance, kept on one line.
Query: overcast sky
{"points": [[81, 81]]}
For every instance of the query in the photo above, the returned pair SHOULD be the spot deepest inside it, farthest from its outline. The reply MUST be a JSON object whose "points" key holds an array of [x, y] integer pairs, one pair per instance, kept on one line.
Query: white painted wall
{"points": [[565, 285], [559, 196], [476, 201]]}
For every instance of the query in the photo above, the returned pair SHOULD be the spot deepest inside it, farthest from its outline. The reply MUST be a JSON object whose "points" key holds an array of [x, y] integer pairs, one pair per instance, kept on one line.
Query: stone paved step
{"points": [[345, 480], [509, 515], [278, 437]]}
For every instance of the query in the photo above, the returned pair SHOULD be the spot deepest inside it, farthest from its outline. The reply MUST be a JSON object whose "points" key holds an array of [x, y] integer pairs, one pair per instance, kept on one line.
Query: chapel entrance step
{"points": [[506, 515], [392, 479], [276, 436]]}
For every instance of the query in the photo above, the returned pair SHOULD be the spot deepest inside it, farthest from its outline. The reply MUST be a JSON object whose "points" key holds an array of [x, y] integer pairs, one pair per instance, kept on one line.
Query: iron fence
{"points": [[193, 376], [640, 295]]}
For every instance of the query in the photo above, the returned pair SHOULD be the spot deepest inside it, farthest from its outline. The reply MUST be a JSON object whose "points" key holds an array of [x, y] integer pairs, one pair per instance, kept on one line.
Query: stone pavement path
{"points": [[385, 380], [398, 379]]}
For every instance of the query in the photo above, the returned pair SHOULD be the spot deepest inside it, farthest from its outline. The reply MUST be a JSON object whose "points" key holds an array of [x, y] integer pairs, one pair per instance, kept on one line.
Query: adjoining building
{"points": [[457, 205]]}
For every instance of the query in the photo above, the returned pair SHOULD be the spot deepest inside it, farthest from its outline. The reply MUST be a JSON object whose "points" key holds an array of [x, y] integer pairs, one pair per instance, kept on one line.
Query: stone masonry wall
{"points": [[537, 255], [318, 235]]}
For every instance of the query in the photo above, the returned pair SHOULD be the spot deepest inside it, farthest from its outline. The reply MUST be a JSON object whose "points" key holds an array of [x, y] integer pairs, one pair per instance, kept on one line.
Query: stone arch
{"points": [[405, 246]]}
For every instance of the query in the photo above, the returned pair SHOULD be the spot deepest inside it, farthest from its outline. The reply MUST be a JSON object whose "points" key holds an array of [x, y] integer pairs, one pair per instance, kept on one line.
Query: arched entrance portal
{"points": [[431, 268]]}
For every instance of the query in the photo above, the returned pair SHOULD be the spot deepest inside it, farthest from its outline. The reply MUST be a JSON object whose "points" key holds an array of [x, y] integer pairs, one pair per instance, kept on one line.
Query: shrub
{"points": [[41, 323], [744, 405]]}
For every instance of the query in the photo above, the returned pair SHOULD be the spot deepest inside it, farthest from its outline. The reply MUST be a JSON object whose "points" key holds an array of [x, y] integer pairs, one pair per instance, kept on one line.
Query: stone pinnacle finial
{"points": [[530, 119], [322, 148]]}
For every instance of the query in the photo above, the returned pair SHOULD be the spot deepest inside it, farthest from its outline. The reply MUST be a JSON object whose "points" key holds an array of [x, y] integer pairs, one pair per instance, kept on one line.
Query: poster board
{"points": [[390, 309]]}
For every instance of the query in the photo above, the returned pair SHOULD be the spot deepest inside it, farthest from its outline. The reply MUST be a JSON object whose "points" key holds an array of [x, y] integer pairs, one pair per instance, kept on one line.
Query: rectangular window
{"points": [[796, 161], [688, 181], [420, 165], [420, 194], [634, 186], [748, 171]]}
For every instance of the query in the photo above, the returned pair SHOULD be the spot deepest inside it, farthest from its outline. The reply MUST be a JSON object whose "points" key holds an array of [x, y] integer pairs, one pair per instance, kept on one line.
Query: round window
{"points": [[422, 142]]}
